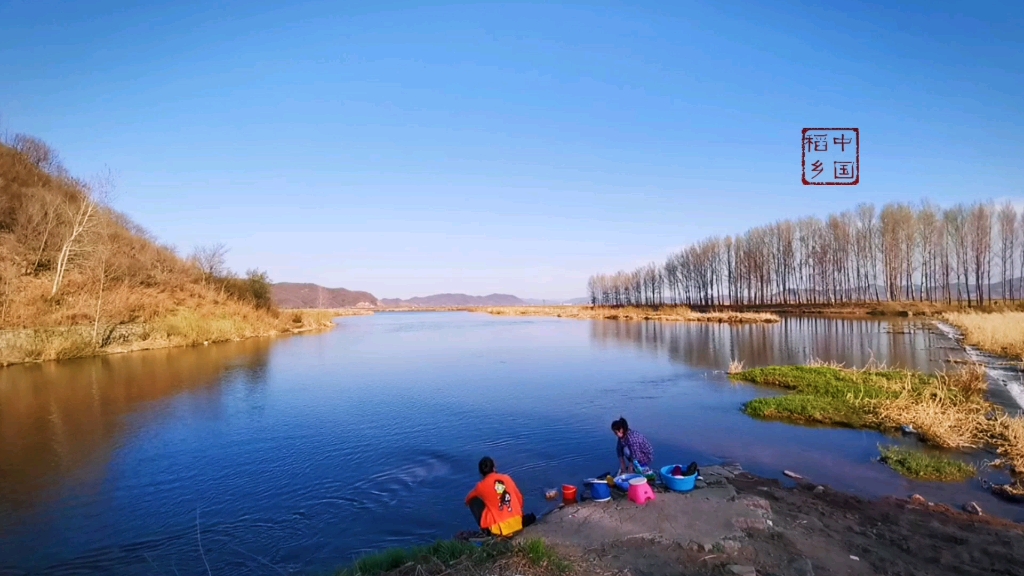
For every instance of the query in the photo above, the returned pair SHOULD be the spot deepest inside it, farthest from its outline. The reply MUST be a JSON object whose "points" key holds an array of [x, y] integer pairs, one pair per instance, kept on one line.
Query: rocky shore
{"points": [[735, 523]]}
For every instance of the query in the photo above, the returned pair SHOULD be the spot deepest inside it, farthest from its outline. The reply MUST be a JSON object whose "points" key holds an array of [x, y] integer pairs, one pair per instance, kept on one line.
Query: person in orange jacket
{"points": [[496, 503]]}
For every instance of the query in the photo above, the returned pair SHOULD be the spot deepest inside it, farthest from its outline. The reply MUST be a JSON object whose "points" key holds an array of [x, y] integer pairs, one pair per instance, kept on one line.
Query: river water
{"points": [[300, 453]]}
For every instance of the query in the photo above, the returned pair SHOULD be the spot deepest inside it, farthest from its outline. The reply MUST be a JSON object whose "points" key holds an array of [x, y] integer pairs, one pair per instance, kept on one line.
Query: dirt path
{"points": [[741, 524]]}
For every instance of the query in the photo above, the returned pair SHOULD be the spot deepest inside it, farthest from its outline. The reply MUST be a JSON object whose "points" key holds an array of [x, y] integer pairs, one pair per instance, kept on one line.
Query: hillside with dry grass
{"points": [[79, 278]]}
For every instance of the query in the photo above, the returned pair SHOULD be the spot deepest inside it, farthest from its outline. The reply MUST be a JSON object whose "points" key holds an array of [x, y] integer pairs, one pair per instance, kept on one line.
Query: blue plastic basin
{"points": [[600, 490], [683, 484]]}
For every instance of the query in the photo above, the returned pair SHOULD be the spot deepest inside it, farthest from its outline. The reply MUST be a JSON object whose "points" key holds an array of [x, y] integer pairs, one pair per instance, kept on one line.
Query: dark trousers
{"points": [[477, 507]]}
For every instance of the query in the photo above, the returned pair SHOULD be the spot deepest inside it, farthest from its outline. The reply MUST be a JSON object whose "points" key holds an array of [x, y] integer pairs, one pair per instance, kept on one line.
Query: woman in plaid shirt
{"points": [[632, 447]]}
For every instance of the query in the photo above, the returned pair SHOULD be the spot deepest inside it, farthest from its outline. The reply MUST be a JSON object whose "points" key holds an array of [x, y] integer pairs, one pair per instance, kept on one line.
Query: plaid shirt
{"points": [[639, 447]]}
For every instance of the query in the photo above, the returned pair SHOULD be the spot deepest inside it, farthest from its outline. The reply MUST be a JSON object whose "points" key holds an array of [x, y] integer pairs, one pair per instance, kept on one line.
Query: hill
{"points": [[442, 300], [294, 295], [583, 301], [79, 278]]}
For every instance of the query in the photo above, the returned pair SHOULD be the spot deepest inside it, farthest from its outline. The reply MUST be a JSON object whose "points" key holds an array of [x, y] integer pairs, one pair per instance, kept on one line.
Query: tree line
{"points": [[969, 254]]}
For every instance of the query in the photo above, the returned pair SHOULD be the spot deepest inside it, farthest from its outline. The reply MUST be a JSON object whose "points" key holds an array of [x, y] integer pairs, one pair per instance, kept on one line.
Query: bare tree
{"points": [[47, 218], [980, 240], [8, 272], [1007, 248], [103, 271], [1021, 242], [210, 259], [38, 153], [921, 252], [956, 236], [82, 211]]}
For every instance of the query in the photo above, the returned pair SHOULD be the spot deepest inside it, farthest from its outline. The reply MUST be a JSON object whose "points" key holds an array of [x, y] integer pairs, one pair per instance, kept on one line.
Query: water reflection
{"points": [[302, 453], [61, 419], [795, 340]]}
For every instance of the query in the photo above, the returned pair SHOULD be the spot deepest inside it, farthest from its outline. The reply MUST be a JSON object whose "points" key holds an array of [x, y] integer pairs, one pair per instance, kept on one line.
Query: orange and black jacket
{"points": [[503, 514]]}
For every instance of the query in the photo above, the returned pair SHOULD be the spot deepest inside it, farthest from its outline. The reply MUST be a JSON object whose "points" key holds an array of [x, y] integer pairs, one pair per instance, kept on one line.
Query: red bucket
{"points": [[568, 494]]}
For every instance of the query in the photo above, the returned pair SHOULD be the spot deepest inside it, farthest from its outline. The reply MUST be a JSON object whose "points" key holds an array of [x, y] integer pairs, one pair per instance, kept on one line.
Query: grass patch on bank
{"points": [[531, 557], [925, 466], [947, 410], [825, 394]]}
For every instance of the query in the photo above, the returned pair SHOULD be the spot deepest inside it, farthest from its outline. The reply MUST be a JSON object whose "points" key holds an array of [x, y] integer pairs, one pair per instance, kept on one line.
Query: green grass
{"points": [[446, 555], [926, 466], [539, 555], [446, 552], [824, 395]]}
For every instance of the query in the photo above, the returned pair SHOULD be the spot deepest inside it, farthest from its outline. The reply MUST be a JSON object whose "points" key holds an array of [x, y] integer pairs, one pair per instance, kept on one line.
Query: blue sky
{"points": [[412, 148]]}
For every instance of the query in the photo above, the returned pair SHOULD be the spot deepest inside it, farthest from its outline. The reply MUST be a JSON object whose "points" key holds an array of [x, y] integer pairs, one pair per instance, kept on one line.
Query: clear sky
{"points": [[409, 148]]}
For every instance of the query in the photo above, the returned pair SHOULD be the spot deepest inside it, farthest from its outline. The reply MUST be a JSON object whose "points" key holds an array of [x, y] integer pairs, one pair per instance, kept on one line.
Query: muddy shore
{"points": [[737, 523]]}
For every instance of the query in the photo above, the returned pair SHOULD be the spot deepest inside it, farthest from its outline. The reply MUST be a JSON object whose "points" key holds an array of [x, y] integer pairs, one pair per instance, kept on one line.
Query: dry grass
{"points": [[948, 410], [184, 326], [1009, 434], [113, 275], [998, 332], [52, 344], [735, 367], [662, 313]]}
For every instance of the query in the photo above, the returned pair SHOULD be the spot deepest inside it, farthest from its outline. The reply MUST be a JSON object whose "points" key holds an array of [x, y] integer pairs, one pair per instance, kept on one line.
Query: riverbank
{"points": [[999, 333], [184, 327], [735, 523], [947, 410], [659, 313]]}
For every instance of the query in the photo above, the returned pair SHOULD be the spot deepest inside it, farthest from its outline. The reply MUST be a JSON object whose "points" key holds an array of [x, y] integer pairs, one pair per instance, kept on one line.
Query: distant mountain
{"points": [[442, 300], [293, 295], [555, 302]]}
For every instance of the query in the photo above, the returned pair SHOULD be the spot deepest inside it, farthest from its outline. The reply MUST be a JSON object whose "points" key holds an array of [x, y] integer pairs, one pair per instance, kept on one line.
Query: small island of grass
{"points": [[947, 410], [925, 466]]}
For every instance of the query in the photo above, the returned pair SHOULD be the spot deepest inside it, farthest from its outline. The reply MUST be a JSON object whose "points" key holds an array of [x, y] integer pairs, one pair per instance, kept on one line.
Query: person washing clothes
{"points": [[496, 503], [632, 448]]}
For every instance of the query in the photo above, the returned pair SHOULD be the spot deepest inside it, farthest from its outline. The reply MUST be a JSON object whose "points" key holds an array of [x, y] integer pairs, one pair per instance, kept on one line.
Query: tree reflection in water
{"points": [[795, 340], [60, 419]]}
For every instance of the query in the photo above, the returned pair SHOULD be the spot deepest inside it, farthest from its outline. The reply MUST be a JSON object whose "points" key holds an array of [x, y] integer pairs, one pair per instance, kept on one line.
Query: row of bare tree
{"points": [[965, 253]]}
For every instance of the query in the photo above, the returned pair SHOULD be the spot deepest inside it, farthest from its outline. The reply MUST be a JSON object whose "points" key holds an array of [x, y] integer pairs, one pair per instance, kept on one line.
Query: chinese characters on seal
{"points": [[831, 156]]}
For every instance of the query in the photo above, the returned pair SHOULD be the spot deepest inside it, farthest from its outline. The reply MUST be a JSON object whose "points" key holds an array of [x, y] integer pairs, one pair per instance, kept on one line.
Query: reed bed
{"points": [[999, 333], [947, 410], [661, 313], [221, 322]]}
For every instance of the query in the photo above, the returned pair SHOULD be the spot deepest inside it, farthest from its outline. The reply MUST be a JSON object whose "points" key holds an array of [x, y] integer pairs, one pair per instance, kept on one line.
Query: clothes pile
{"points": [[692, 469]]}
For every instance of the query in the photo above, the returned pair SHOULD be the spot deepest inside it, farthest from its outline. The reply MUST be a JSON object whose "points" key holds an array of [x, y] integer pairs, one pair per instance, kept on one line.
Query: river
{"points": [[300, 453]]}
